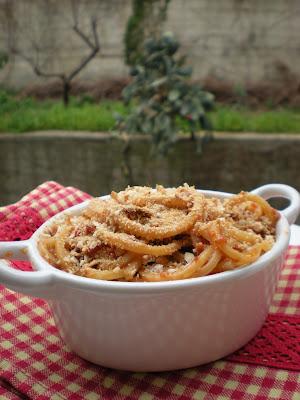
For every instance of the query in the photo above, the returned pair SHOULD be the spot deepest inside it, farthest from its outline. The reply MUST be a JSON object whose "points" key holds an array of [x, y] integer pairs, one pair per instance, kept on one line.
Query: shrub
{"points": [[160, 95], [3, 59]]}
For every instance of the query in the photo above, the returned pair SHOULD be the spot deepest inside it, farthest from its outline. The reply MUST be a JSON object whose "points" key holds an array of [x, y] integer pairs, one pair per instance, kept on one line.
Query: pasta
{"points": [[144, 234]]}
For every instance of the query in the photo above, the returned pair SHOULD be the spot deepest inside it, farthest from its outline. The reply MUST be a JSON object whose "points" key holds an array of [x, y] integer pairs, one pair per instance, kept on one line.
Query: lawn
{"points": [[31, 115]]}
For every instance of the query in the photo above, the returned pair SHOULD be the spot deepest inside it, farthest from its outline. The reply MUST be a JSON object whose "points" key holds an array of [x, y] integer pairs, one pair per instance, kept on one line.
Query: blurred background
{"points": [[64, 66]]}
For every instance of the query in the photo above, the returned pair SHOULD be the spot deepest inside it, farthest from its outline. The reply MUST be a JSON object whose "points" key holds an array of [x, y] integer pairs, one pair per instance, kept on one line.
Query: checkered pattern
{"points": [[6, 394], [287, 297], [277, 344], [49, 198], [36, 362]]}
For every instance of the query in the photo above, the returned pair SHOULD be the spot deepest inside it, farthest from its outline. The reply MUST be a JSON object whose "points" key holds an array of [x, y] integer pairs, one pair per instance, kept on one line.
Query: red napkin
{"points": [[35, 361]]}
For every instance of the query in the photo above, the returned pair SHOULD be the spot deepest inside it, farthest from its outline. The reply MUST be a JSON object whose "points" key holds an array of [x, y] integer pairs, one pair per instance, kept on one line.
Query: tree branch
{"points": [[83, 36], [94, 31], [35, 66], [93, 44], [84, 62], [95, 47]]}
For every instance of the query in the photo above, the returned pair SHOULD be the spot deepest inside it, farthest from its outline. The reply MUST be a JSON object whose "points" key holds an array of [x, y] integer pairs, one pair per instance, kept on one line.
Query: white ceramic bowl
{"points": [[156, 326]]}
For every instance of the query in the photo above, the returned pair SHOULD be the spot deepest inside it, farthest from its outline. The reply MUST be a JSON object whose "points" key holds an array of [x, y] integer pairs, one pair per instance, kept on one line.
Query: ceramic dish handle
{"points": [[35, 283], [278, 190]]}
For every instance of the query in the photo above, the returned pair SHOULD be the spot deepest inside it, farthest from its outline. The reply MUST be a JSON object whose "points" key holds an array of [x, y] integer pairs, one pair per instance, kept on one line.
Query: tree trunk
{"points": [[127, 167], [66, 92]]}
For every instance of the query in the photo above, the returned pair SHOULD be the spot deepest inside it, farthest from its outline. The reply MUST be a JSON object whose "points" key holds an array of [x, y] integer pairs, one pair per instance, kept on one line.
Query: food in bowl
{"points": [[162, 234], [105, 322]]}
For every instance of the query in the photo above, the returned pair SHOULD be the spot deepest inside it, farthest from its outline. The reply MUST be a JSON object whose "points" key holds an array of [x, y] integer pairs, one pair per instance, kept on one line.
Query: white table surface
{"points": [[295, 235]]}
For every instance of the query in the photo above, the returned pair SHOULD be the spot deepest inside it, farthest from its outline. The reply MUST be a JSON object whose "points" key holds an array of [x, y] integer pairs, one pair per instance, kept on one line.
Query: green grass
{"points": [[241, 120], [31, 115]]}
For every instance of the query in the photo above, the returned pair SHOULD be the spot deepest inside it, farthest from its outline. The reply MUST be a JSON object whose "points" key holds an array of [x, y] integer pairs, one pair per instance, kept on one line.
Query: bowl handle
{"points": [[279, 190], [35, 283]]}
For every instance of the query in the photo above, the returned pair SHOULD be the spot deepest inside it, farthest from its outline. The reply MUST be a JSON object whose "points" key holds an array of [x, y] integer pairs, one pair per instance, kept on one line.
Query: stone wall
{"points": [[240, 41]]}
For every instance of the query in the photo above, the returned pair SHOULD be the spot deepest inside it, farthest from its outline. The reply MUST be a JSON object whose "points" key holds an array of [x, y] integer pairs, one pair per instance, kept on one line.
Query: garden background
{"points": [[246, 53]]}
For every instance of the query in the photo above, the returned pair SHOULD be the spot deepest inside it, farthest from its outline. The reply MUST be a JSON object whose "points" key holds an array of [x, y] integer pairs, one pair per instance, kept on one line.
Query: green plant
{"points": [[147, 19], [133, 32], [19, 114], [3, 59], [162, 95]]}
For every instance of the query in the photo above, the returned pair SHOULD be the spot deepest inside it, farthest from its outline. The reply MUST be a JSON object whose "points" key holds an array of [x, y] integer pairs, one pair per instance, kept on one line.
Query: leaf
{"points": [[194, 116], [174, 95], [3, 59], [127, 93], [184, 71], [161, 93], [185, 109], [147, 126], [118, 117], [205, 123], [158, 82]]}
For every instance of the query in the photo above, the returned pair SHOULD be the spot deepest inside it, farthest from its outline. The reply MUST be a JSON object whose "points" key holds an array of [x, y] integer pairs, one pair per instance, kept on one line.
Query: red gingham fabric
{"points": [[35, 361], [6, 394], [277, 344], [48, 199]]}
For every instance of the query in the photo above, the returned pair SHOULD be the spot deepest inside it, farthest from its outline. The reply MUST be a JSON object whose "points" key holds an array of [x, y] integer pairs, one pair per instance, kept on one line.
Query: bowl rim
{"points": [[89, 284]]}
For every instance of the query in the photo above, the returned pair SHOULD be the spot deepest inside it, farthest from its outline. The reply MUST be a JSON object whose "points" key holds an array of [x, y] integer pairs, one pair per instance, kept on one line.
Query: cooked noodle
{"points": [[144, 234]]}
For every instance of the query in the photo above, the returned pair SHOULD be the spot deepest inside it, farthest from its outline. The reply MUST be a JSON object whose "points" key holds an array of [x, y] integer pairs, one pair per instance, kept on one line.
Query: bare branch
{"points": [[91, 40], [35, 66], [95, 47], [83, 36], [84, 62], [94, 31]]}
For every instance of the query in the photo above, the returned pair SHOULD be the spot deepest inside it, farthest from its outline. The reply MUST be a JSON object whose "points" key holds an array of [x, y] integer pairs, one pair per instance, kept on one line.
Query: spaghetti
{"points": [[144, 234]]}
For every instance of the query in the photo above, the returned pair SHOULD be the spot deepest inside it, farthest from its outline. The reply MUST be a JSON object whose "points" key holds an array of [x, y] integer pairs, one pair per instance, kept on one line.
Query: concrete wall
{"points": [[234, 40], [238, 40], [93, 162], [46, 32]]}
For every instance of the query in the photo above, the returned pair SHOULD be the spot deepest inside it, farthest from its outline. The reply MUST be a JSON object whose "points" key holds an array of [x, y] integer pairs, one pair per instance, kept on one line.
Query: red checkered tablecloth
{"points": [[36, 364]]}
